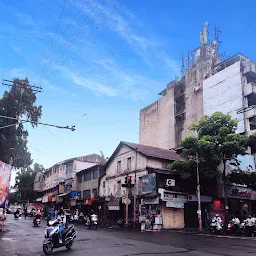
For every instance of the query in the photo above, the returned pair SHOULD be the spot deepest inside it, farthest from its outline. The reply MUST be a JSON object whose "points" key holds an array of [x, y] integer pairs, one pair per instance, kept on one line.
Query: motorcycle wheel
{"points": [[94, 227], [47, 248], [69, 245]]}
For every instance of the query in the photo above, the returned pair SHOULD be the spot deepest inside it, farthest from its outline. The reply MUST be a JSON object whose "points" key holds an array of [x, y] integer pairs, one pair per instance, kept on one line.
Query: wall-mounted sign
{"points": [[204, 199], [174, 204], [170, 183], [113, 207], [148, 183], [238, 192], [150, 200], [172, 196]]}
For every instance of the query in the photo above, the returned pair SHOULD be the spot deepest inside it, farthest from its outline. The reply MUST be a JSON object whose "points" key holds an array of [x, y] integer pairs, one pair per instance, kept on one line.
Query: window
{"points": [[119, 185], [79, 178], [119, 166], [87, 194], [104, 184], [140, 185], [95, 192], [95, 174], [87, 176], [129, 164]]}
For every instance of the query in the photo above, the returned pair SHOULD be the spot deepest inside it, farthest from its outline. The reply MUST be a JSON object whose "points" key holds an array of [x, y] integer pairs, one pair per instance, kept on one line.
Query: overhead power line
{"points": [[23, 85], [86, 41], [69, 44], [53, 40], [72, 127]]}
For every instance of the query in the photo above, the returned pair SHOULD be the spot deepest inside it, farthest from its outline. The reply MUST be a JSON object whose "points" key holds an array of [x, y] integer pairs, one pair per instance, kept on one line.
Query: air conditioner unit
{"points": [[170, 183]]}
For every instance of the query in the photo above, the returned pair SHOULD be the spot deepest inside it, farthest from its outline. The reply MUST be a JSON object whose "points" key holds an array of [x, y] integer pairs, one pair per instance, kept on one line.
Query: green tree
{"points": [[25, 183], [19, 102], [216, 143]]}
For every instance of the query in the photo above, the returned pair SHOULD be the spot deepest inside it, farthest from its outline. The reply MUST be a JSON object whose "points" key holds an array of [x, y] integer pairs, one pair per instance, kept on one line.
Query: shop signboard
{"points": [[148, 183], [172, 196], [174, 204], [45, 199], [61, 189], [5, 177], [114, 204], [237, 192], [74, 194], [150, 200], [204, 199]]}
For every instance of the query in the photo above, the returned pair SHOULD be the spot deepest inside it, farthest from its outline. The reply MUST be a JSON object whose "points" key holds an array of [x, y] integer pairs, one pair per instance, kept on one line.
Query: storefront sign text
{"points": [[174, 204]]}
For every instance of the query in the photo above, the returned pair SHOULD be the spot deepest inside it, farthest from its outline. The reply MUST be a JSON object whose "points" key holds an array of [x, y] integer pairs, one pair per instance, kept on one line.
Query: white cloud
{"points": [[125, 24], [110, 79]]}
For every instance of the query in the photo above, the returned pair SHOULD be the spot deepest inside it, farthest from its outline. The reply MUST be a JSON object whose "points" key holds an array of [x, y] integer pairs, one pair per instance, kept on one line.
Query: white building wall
{"points": [[223, 92]]}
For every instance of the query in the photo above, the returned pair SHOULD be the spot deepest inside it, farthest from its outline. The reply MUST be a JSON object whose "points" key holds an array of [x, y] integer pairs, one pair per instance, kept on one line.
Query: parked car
{"points": [[1, 213]]}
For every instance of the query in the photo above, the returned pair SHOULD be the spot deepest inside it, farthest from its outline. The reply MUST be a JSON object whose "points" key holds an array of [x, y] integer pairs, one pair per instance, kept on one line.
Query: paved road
{"points": [[22, 239]]}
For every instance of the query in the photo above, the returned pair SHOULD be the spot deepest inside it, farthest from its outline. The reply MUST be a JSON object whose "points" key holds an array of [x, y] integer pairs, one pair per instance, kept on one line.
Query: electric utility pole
{"points": [[199, 211]]}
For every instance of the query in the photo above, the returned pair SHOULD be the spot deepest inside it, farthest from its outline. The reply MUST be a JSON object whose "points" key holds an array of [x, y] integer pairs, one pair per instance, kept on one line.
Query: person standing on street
{"points": [[25, 212], [249, 226]]}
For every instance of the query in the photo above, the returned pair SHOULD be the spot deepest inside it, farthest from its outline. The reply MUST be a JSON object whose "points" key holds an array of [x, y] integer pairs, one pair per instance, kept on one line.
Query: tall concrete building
{"points": [[208, 84]]}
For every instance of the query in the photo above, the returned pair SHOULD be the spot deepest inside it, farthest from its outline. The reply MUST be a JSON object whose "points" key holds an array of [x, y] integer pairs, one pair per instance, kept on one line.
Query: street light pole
{"points": [[199, 211]]}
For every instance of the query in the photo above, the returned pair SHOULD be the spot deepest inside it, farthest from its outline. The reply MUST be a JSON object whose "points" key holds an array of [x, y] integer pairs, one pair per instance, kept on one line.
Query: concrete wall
{"points": [[223, 92], [55, 177], [88, 185], [157, 122], [113, 176]]}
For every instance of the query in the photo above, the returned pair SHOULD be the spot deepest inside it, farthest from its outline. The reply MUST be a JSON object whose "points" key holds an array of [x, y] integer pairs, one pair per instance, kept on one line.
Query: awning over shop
{"points": [[39, 199], [64, 194]]}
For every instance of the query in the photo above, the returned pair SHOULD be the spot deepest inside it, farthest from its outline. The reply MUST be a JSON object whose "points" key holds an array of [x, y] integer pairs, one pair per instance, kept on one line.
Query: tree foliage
{"points": [[19, 102], [25, 183], [216, 143]]}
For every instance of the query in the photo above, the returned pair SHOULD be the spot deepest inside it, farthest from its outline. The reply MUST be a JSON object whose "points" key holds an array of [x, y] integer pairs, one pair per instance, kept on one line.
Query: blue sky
{"points": [[99, 79]]}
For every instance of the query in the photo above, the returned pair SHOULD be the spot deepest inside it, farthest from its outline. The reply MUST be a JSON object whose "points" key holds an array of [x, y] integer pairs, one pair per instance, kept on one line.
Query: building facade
{"points": [[149, 170], [207, 85], [60, 180]]}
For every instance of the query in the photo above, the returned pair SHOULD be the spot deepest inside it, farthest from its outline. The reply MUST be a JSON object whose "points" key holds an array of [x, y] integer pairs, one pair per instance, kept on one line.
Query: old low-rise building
{"points": [[149, 170], [88, 182]]}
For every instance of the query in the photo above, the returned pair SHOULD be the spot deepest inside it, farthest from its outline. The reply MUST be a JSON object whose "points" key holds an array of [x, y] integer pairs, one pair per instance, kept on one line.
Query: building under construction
{"points": [[209, 83]]}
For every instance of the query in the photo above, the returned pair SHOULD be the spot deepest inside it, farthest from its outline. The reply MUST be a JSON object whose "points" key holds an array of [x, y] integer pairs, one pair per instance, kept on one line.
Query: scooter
{"points": [[92, 221], [36, 221], [236, 228], [52, 237], [216, 228]]}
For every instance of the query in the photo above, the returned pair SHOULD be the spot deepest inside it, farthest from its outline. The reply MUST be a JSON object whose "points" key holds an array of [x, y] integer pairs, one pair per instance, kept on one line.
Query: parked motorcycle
{"points": [[92, 221], [52, 237]]}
